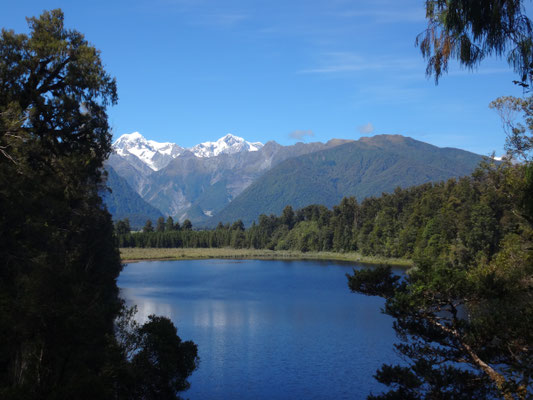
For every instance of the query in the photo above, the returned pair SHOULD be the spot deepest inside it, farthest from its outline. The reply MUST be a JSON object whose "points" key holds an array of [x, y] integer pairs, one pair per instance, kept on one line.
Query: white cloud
{"points": [[338, 62], [300, 134], [366, 129], [387, 16]]}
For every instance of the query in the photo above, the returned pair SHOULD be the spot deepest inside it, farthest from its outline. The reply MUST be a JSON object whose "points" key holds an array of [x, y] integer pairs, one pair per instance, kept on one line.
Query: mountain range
{"points": [[232, 178]]}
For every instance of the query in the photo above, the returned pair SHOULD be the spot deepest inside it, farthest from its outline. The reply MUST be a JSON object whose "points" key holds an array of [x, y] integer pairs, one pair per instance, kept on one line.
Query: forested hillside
{"points": [[459, 219], [368, 167]]}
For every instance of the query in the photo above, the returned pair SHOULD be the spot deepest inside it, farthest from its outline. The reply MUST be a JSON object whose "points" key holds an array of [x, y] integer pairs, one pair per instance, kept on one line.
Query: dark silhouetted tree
{"points": [[169, 225], [148, 227], [472, 30], [160, 227], [187, 225], [58, 259]]}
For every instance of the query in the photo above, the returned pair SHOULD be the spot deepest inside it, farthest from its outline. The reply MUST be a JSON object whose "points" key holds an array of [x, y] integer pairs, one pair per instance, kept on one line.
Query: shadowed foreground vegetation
{"points": [[65, 332]]}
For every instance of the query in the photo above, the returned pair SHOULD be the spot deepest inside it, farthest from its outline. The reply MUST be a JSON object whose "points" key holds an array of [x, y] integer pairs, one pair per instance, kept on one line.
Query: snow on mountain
{"points": [[228, 144], [157, 155]]}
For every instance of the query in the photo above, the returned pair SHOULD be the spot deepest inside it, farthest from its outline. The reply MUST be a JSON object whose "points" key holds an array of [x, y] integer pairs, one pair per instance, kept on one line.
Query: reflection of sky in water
{"points": [[267, 329]]}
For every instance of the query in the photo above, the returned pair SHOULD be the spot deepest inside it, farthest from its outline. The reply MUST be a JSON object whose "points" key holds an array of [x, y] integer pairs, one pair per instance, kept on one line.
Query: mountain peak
{"points": [[128, 138], [228, 144], [157, 155], [230, 138]]}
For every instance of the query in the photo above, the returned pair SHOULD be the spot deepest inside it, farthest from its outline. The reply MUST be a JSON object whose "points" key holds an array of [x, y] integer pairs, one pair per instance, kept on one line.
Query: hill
{"points": [[364, 168]]}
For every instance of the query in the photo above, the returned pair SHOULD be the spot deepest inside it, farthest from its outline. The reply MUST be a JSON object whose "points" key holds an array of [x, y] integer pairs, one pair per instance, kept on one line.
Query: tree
{"points": [[519, 138], [466, 330], [471, 30], [148, 226], [122, 227], [187, 225], [287, 217], [159, 362], [237, 226], [169, 225], [160, 227], [58, 259], [464, 312], [59, 263]]}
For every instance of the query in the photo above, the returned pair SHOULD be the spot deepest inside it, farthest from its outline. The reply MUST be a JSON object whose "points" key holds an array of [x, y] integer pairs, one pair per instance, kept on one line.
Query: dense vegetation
{"points": [[462, 219], [65, 332], [465, 323], [367, 167]]}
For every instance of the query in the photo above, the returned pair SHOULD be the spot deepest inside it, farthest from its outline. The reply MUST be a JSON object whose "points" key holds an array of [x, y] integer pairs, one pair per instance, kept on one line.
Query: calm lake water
{"points": [[268, 329]]}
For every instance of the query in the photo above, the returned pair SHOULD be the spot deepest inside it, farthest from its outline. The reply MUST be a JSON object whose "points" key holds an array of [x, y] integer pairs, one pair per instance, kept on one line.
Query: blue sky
{"points": [[189, 71]]}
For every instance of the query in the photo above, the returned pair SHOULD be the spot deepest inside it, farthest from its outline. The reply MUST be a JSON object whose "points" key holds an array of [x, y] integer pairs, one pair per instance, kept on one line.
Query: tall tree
{"points": [[122, 227], [465, 321], [58, 260], [59, 263], [187, 225], [169, 225], [471, 30], [148, 227], [160, 227]]}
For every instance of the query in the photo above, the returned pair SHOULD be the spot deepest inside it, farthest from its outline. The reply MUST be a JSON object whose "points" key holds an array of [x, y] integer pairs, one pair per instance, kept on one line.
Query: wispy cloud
{"points": [[479, 71], [387, 16], [301, 134], [366, 129], [338, 62]]}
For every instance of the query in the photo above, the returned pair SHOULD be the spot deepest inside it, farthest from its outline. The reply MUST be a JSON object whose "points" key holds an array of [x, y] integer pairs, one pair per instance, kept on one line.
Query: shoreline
{"points": [[134, 254]]}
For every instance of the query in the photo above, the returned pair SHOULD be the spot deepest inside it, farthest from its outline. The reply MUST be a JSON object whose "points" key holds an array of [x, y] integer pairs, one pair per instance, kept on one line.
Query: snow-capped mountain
{"points": [[157, 155], [228, 144], [154, 154]]}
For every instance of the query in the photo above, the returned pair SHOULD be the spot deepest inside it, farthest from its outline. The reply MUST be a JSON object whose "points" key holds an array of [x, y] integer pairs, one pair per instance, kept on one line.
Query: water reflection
{"points": [[146, 305], [267, 329]]}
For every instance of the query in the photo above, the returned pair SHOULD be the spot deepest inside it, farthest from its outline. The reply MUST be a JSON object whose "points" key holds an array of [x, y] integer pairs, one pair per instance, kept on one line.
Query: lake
{"points": [[268, 329]]}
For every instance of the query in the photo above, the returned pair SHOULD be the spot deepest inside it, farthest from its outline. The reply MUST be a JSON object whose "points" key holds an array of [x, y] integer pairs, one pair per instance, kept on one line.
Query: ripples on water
{"points": [[268, 329]]}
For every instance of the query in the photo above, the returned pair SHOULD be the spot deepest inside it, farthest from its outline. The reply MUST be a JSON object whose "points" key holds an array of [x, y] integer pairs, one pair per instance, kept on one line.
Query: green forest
{"points": [[459, 220], [463, 314]]}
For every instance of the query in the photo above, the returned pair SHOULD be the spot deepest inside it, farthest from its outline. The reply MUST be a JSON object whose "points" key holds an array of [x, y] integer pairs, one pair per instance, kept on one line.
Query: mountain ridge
{"points": [[211, 188], [363, 168], [157, 155]]}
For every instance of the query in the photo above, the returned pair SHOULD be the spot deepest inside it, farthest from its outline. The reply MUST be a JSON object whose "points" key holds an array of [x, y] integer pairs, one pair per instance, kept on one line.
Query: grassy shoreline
{"points": [[129, 255]]}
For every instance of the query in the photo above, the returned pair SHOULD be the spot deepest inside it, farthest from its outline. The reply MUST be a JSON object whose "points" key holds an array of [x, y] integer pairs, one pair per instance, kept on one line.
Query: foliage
{"points": [[465, 311], [518, 144], [471, 30], [59, 262], [458, 219], [158, 362]]}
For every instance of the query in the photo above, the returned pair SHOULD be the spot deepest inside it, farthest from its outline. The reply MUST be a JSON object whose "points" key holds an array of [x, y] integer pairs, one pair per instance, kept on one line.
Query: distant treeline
{"points": [[462, 219]]}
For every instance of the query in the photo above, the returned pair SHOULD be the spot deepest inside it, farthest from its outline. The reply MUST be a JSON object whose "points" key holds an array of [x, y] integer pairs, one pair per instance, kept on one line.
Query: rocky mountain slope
{"points": [[198, 182], [123, 202], [232, 179]]}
